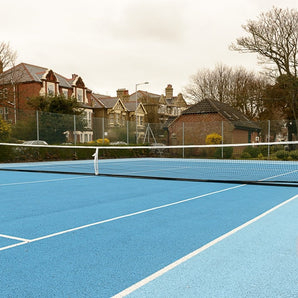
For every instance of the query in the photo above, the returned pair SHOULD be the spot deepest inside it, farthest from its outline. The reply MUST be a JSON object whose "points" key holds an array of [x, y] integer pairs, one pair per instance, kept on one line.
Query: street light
{"points": [[144, 83]]}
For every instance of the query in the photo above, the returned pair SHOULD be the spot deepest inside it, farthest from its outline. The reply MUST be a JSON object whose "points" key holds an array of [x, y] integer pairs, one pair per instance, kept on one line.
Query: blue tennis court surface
{"points": [[86, 236]]}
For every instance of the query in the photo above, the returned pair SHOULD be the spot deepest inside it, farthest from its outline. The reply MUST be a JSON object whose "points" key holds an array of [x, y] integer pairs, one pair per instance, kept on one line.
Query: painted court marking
{"points": [[43, 181], [159, 273], [14, 238], [26, 241]]}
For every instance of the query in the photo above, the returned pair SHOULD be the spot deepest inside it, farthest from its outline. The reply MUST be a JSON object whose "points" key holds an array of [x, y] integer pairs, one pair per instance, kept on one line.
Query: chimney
{"points": [[169, 91], [74, 76], [123, 94]]}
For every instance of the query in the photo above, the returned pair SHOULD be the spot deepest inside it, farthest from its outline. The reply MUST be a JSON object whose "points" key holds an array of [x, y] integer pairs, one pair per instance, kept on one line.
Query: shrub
{"points": [[227, 152], [6, 153], [100, 142], [5, 130], [245, 155], [282, 154], [213, 138], [251, 152], [294, 154]]}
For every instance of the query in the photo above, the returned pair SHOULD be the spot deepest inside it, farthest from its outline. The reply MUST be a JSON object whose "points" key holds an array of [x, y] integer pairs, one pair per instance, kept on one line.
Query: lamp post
{"points": [[144, 83]]}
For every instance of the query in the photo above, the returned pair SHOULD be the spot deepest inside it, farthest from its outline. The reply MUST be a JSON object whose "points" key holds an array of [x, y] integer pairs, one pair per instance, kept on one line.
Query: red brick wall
{"points": [[25, 91], [198, 126]]}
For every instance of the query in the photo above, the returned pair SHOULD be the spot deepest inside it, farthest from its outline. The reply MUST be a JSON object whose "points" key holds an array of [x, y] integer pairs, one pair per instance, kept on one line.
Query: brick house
{"points": [[159, 107], [112, 112], [210, 116], [26, 81]]}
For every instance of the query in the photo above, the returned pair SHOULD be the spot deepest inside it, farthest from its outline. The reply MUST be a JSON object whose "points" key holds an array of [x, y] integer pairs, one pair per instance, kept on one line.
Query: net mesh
{"points": [[273, 163]]}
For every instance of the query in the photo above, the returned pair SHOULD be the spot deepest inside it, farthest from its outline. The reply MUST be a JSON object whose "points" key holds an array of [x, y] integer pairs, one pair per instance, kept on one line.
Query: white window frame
{"points": [[50, 88], [80, 95]]}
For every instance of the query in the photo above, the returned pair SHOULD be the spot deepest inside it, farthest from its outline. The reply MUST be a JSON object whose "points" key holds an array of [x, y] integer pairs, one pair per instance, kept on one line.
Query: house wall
{"points": [[198, 126], [25, 91], [239, 136]]}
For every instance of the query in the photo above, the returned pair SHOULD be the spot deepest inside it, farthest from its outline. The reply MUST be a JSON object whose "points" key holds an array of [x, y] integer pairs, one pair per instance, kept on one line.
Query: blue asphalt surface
{"points": [[102, 260], [259, 261]]}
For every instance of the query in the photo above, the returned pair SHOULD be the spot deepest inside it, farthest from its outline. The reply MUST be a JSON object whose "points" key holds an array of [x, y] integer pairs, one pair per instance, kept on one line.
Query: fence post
{"points": [[74, 130], [268, 140], [183, 140], [222, 139], [37, 126], [127, 132], [103, 130]]}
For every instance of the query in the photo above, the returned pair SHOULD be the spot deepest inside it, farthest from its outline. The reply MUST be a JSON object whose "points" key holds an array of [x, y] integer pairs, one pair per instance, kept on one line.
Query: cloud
{"points": [[150, 21]]}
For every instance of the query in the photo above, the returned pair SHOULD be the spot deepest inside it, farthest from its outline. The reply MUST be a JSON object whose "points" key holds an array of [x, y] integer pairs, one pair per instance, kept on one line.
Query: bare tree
{"points": [[274, 36], [237, 87], [7, 56], [8, 80]]}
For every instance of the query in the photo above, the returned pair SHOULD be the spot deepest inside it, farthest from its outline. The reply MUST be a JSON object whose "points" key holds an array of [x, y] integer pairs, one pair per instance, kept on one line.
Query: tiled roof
{"points": [[25, 72], [208, 106], [130, 106], [142, 94], [108, 102]]}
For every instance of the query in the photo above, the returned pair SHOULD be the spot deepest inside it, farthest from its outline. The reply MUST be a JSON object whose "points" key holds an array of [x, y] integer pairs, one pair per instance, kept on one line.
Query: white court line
{"points": [[43, 181], [120, 217], [13, 245], [14, 238], [280, 175], [196, 252]]}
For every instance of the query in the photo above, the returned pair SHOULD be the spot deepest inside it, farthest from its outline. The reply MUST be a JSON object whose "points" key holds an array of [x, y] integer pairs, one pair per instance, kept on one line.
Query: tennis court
{"points": [[64, 235]]}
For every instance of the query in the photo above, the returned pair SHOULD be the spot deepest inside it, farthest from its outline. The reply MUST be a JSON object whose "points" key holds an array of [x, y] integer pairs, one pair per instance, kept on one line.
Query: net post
{"points": [[95, 155]]}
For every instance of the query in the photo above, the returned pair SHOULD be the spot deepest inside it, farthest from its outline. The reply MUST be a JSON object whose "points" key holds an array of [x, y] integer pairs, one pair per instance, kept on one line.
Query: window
{"points": [[80, 95], [50, 88], [65, 92], [111, 119], [4, 113], [3, 93], [141, 120], [161, 109], [88, 118], [116, 118]]}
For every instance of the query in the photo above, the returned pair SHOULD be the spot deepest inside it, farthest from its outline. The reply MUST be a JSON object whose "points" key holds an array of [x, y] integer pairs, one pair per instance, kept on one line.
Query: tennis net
{"points": [[274, 163]]}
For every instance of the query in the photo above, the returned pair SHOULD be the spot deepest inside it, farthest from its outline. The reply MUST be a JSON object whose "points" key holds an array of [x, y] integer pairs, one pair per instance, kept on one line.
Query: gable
{"points": [[141, 109], [119, 106], [180, 102], [49, 76], [162, 100], [78, 82]]}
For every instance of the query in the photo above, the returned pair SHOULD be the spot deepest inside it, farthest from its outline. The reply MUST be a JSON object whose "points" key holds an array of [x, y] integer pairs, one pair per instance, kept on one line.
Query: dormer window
{"points": [[50, 89], [80, 95]]}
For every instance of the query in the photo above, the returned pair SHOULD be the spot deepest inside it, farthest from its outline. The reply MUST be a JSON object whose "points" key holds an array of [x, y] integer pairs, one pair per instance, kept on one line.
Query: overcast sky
{"points": [[116, 44]]}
